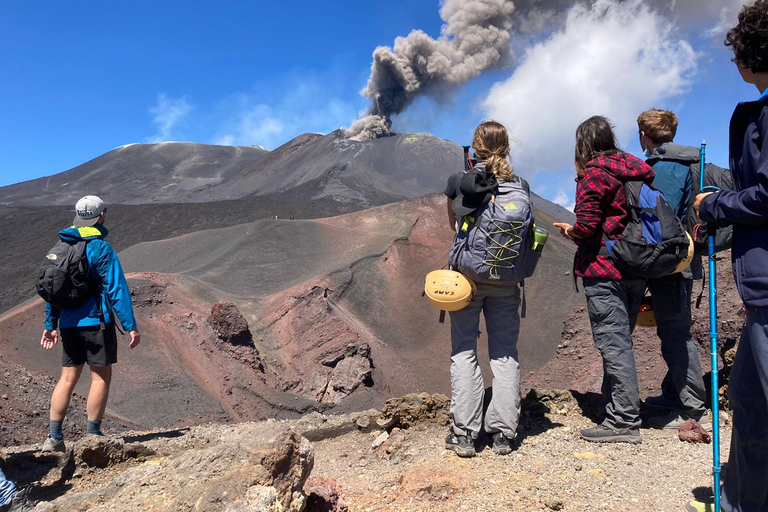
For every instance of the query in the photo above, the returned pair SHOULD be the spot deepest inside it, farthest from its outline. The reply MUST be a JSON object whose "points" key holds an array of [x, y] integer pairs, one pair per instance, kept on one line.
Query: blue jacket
{"points": [[746, 207], [106, 266]]}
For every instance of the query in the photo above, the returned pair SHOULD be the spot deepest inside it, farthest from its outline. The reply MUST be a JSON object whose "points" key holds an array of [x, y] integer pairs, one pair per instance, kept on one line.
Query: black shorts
{"points": [[95, 345]]}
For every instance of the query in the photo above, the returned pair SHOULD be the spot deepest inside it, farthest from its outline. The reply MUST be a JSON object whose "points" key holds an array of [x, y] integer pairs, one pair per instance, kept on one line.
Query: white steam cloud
{"points": [[167, 114], [475, 37], [614, 58]]}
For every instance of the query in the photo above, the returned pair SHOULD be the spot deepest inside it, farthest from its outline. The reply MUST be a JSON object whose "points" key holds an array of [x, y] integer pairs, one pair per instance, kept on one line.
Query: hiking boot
{"points": [[502, 445], [700, 506], [19, 503], [603, 434], [660, 402], [53, 445], [676, 418], [462, 445]]}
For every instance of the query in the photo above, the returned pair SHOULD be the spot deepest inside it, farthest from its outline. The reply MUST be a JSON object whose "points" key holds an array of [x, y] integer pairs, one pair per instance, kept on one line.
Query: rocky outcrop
{"points": [[251, 466], [229, 324], [417, 408]]}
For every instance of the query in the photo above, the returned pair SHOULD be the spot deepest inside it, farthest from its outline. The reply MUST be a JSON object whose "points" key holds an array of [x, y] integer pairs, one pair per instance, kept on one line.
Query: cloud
{"points": [[728, 17], [303, 104], [614, 58], [167, 114], [566, 201]]}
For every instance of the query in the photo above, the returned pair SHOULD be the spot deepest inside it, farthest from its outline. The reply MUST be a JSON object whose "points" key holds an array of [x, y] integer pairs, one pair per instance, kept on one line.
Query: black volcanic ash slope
{"points": [[140, 173], [400, 167]]}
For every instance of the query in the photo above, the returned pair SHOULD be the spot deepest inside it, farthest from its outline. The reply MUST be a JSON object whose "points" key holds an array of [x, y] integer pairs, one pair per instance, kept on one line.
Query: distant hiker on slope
{"points": [[613, 297], [683, 386], [745, 477], [85, 319], [489, 208]]}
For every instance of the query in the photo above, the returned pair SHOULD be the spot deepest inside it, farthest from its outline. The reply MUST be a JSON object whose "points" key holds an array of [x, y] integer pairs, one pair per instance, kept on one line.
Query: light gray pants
{"points": [[613, 307], [500, 305]]}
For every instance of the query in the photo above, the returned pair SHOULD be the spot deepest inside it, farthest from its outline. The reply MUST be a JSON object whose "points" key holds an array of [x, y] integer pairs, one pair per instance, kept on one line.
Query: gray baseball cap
{"points": [[88, 210]]}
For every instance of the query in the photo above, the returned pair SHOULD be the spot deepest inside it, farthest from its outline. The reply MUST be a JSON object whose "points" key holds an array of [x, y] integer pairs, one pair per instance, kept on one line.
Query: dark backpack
{"points": [[654, 242], [494, 244], [65, 279], [722, 179]]}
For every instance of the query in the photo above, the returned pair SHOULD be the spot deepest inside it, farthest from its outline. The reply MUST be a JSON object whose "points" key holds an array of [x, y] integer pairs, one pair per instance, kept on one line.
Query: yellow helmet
{"points": [[646, 318], [688, 258], [448, 290]]}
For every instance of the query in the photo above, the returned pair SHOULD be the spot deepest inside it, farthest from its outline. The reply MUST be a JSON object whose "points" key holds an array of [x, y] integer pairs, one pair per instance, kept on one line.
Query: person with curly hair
{"points": [[745, 477]]}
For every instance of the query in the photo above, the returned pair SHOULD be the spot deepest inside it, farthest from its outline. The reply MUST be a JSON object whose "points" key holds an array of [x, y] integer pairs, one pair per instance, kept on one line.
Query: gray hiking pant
{"points": [[613, 307], [500, 305], [745, 478], [672, 308]]}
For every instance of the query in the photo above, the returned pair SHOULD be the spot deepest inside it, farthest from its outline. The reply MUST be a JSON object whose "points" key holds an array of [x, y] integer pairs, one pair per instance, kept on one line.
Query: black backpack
{"points": [[65, 279], [714, 176], [654, 242]]}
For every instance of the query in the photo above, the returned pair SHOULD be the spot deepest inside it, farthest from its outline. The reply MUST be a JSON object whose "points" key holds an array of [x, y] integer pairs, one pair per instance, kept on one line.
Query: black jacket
{"points": [[746, 207]]}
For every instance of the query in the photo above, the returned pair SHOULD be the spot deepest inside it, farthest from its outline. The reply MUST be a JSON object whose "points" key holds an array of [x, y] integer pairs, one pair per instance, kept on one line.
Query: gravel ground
{"points": [[551, 469]]}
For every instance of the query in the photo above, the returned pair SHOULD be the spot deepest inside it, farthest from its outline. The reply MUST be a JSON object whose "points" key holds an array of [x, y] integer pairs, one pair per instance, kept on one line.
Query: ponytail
{"points": [[491, 143]]}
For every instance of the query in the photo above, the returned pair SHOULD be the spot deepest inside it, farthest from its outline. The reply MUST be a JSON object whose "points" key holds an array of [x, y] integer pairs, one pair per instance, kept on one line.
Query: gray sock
{"points": [[94, 428], [55, 428]]}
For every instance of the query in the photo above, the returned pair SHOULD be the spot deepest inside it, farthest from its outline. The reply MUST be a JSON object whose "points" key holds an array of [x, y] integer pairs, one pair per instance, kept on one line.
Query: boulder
{"points": [[229, 324]]}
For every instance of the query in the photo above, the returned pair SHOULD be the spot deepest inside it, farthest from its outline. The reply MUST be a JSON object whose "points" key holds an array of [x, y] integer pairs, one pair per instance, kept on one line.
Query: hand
{"points": [[135, 338], [699, 198], [50, 338], [566, 230]]}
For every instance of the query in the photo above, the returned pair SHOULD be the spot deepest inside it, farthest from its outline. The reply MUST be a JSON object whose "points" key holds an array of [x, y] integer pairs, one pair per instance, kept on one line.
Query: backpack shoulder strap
{"points": [[525, 185]]}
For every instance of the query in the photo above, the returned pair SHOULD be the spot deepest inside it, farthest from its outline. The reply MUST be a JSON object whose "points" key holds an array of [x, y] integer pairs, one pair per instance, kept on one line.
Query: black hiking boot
{"points": [[502, 445], [603, 434], [462, 445], [19, 503]]}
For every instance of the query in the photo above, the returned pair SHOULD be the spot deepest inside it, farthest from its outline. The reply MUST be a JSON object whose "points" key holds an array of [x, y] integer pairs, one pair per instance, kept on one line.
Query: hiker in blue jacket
{"points": [[745, 477], [12, 499], [88, 332], [682, 389]]}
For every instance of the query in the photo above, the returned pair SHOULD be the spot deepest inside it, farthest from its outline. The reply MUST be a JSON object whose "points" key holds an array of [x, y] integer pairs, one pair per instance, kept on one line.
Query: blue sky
{"points": [[77, 80]]}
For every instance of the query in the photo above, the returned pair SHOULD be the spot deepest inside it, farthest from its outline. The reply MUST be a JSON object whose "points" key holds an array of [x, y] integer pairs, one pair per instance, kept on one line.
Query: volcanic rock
{"points": [[249, 466], [692, 432], [416, 408], [323, 495], [229, 325]]}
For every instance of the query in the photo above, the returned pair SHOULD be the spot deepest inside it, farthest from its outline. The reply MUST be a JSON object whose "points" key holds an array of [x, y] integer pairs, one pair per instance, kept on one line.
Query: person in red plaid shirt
{"points": [[613, 298]]}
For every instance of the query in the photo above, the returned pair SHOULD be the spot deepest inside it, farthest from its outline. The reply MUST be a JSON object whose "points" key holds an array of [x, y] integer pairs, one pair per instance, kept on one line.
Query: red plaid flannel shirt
{"points": [[600, 209]]}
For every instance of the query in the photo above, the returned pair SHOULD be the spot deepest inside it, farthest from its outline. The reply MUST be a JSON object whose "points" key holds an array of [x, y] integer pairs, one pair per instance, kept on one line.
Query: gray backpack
{"points": [[494, 245]]}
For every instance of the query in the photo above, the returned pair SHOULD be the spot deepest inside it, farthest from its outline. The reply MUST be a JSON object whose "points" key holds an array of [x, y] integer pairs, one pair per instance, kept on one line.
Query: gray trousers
{"points": [[672, 308], [500, 305], [613, 307], [745, 478]]}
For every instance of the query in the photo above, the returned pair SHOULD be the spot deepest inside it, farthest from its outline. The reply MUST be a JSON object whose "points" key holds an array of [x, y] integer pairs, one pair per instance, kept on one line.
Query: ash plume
{"points": [[474, 37]]}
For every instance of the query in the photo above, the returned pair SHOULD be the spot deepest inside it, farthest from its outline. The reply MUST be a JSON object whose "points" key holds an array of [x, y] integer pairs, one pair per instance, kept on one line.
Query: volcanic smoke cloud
{"points": [[475, 36]]}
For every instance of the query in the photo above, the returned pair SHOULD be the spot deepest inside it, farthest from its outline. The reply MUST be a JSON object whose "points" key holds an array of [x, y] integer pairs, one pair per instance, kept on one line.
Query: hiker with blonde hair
{"points": [[489, 190]]}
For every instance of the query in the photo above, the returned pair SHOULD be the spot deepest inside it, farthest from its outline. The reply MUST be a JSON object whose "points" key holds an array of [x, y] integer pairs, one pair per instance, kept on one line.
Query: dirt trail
{"points": [[551, 469]]}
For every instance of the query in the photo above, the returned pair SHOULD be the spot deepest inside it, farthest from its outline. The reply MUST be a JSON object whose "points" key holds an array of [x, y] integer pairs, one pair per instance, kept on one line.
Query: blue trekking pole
{"points": [[711, 229]]}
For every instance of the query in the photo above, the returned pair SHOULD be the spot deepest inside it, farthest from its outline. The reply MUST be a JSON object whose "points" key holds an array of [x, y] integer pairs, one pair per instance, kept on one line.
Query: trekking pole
{"points": [[711, 229]]}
